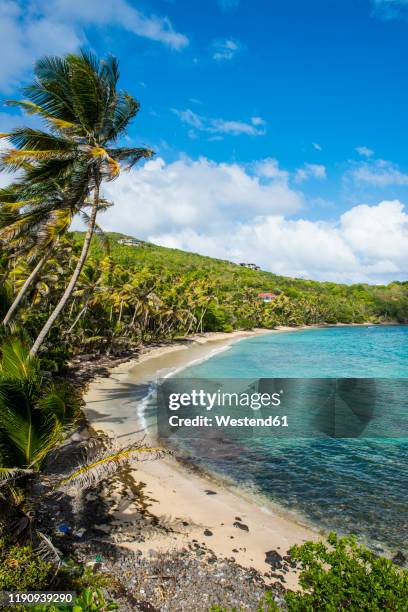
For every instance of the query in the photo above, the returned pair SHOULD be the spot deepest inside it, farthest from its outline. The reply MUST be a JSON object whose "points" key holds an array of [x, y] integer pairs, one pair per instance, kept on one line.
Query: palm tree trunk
{"points": [[68, 291], [24, 289], [120, 311], [81, 313]]}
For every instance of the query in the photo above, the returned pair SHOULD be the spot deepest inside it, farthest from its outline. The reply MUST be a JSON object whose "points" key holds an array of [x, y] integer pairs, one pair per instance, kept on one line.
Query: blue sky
{"points": [[282, 125]]}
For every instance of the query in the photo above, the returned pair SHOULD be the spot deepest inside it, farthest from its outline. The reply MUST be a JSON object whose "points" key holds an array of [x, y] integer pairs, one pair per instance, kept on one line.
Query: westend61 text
{"points": [[228, 421]]}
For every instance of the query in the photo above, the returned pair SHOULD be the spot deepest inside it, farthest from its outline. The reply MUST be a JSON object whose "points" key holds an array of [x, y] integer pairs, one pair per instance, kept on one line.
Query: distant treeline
{"points": [[131, 294]]}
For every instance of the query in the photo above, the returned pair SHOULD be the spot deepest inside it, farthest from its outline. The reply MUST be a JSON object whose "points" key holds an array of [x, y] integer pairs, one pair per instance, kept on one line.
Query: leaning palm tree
{"points": [[85, 113], [42, 215]]}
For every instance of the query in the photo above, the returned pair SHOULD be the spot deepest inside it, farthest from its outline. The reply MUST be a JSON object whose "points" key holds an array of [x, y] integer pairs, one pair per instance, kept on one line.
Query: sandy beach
{"points": [[195, 508]]}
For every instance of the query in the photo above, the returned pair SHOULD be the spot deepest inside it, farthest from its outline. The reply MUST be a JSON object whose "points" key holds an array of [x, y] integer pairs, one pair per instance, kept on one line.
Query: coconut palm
{"points": [[77, 98], [35, 417], [43, 217]]}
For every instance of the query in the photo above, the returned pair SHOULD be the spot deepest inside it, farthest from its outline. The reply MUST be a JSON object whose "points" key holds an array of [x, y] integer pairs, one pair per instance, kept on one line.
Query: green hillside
{"points": [[331, 302]]}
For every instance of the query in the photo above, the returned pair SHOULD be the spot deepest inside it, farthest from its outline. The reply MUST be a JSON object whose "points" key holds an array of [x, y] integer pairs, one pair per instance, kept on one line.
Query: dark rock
{"points": [[207, 532], [235, 550], [399, 559], [209, 492], [274, 559], [241, 526], [238, 518]]}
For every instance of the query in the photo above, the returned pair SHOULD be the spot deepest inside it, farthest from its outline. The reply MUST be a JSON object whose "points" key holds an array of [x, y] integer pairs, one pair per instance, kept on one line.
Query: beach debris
{"points": [[64, 528], [207, 532], [399, 559], [274, 559], [209, 492], [238, 518], [241, 526]]}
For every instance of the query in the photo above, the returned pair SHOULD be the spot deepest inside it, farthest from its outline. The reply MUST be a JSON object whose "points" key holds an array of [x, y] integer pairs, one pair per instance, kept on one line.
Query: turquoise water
{"points": [[348, 485]]}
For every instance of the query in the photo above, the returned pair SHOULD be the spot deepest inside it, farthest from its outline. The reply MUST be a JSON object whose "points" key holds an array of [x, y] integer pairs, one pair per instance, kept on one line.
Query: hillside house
{"points": [[267, 297], [130, 242], [251, 266]]}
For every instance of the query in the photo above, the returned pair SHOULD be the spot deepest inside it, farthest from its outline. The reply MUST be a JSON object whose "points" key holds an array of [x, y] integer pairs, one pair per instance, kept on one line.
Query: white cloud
{"points": [[378, 173], [268, 168], [258, 121], [225, 49], [390, 9], [367, 244], [122, 14], [378, 232], [228, 5], [308, 171], [365, 151], [255, 127], [202, 195], [316, 146], [243, 213], [39, 27]]}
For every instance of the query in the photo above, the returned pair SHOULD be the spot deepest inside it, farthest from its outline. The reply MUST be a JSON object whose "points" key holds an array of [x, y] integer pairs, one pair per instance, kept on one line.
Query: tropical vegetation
{"points": [[337, 575], [66, 294]]}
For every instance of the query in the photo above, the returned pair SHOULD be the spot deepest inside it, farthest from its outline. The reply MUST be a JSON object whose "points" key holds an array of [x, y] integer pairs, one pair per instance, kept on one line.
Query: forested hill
{"points": [[298, 301]]}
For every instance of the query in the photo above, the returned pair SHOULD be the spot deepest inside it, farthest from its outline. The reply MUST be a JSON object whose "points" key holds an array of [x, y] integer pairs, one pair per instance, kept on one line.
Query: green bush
{"points": [[21, 569], [346, 576], [341, 576]]}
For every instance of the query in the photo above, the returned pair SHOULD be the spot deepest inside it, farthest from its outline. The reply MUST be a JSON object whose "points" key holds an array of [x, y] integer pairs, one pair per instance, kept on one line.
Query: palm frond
{"points": [[15, 361], [130, 155], [38, 140], [125, 109], [35, 109], [47, 552], [105, 466], [11, 473], [51, 88]]}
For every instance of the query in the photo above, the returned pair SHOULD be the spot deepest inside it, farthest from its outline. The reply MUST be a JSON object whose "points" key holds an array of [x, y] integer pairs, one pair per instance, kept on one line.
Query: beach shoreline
{"points": [[198, 507]]}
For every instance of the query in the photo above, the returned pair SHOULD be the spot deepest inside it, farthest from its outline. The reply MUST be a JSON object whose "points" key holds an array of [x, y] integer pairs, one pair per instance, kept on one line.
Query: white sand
{"points": [[175, 493]]}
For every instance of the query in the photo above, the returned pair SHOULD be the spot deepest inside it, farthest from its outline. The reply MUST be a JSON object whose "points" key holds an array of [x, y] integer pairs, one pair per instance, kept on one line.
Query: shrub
{"points": [[21, 569], [346, 576]]}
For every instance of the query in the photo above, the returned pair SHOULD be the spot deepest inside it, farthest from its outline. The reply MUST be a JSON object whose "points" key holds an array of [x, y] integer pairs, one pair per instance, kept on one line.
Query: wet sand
{"points": [[198, 507]]}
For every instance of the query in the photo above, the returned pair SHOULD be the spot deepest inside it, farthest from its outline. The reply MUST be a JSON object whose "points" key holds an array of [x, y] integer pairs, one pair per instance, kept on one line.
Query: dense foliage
{"points": [[21, 568], [234, 288], [341, 575], [65, 293], [346, 576], [131, 294]]}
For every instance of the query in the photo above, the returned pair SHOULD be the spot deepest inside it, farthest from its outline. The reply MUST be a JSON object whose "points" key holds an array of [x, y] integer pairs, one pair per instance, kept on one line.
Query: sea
{"points": [[353, 484]]}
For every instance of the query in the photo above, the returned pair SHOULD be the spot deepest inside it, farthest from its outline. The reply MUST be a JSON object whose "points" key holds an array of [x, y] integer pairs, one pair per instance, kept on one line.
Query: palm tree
{"points": [[77, 98], [35, 417], [42, 216], [47, 234]]}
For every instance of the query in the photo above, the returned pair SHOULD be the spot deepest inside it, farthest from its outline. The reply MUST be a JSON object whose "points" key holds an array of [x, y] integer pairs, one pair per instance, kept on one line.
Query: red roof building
{"points": [[267, 297]]}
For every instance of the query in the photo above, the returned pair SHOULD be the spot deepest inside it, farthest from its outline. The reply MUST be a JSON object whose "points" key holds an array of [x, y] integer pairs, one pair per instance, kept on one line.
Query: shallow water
{"points": [[348, 485]]}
